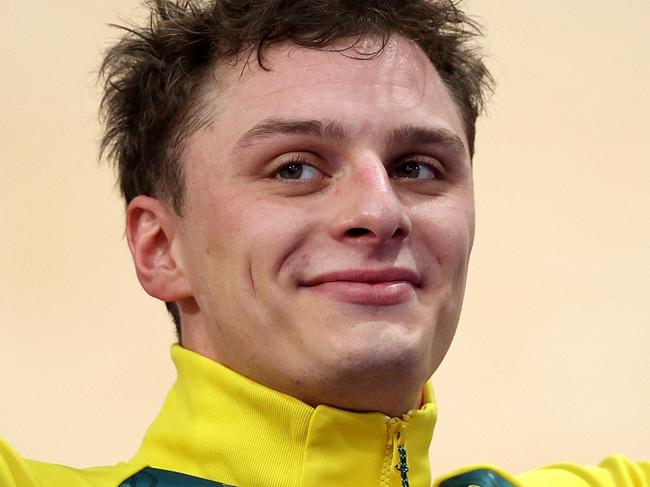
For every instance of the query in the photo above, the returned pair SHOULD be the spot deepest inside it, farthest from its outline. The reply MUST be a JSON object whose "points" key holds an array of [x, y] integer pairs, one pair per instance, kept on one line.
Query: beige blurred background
{"points": [[552, 357]]}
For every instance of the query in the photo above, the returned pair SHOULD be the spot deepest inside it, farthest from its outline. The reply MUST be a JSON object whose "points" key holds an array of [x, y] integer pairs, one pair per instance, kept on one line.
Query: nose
{"points": [[369, 209]]}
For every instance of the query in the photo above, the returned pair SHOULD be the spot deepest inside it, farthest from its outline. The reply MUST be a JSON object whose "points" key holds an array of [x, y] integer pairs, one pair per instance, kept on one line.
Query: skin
{"points": [[268, 214]]}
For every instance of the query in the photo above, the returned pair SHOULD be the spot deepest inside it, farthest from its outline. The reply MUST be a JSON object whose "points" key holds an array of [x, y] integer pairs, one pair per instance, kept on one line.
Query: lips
{"points": [[385, 287]]}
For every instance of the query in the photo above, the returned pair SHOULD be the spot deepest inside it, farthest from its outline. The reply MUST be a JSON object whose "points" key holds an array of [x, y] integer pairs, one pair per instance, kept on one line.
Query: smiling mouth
{"points": [[368, 287]]}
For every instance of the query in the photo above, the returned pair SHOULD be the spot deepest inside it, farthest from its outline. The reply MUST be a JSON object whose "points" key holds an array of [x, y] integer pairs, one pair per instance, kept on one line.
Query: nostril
{"points": [[357, 232]]}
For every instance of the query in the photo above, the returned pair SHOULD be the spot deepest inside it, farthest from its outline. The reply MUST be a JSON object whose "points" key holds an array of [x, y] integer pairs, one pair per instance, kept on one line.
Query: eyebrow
{"points": [[274, 126], [405, 135], [416, 135]]}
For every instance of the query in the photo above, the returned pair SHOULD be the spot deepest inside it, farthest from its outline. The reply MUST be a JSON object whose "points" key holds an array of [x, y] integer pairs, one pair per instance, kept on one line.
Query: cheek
{"points": [[259, 233], [447, 232]]}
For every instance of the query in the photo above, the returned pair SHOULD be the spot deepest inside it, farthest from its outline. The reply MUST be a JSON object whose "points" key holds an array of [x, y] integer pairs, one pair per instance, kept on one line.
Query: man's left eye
{"points": [[415, 170]]}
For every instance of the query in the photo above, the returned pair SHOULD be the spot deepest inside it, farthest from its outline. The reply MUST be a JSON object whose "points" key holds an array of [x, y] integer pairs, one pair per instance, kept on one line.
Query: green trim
{"points": [[477, 478], [154, 477]]}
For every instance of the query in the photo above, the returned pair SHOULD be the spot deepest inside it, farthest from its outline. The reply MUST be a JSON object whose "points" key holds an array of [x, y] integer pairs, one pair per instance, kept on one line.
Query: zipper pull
{"points": [[399, 457]]}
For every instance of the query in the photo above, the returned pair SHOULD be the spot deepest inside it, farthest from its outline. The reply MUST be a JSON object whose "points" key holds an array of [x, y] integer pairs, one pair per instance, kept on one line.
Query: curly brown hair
{"points": [[154, 74]]}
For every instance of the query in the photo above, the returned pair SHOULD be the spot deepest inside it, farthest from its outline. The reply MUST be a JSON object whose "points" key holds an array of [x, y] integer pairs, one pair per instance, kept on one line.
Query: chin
{"points": [[390, 350], [377, 375]]}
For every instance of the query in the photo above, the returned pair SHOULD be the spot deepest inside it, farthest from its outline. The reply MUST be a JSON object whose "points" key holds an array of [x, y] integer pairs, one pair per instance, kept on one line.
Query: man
{"points": [[299, 190]]}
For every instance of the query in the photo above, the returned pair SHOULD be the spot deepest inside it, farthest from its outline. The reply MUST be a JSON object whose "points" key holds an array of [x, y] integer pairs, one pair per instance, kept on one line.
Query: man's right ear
{"points": [[151, 232]]}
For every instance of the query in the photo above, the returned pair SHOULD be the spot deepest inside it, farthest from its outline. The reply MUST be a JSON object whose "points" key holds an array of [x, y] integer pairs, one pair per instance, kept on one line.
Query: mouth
{"points": [[383, 287]]}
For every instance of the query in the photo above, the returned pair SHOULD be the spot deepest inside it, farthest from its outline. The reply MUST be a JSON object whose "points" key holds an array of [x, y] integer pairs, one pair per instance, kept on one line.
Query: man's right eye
{"points": [[298, 171]]}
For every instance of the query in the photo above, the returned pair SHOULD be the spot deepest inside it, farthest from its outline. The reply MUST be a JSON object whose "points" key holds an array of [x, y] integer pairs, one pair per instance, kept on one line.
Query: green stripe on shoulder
{"points": [[154, 477], [477, 478]]}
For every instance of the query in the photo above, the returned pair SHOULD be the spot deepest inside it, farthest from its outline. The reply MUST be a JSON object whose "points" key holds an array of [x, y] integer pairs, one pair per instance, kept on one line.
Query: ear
{"points": [[150, 230]]}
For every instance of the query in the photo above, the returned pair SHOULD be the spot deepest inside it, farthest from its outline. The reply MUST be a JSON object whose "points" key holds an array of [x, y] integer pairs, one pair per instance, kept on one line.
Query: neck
{"points": [[392, 396], [365, 388]]}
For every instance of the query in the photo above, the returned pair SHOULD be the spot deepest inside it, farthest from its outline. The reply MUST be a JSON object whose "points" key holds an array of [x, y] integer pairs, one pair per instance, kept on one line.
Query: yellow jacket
{"points": [[219, 428]]}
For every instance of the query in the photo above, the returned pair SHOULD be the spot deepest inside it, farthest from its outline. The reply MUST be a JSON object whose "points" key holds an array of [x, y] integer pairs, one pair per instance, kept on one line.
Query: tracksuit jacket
{"points": [[218, 428]]}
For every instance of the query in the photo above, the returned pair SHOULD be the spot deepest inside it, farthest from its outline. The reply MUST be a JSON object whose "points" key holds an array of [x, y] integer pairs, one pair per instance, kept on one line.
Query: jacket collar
{"points": [[221, 426]]}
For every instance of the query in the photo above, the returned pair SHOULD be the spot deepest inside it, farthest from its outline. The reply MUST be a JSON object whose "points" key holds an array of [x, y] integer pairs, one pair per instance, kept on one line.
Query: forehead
{"points": [[339, 82]]}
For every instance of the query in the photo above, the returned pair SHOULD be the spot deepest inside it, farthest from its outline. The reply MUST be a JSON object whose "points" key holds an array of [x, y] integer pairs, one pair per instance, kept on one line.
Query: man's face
{"points": [[328, 221]]}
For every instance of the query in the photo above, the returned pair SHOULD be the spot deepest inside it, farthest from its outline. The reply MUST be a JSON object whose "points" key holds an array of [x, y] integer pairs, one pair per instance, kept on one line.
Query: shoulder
{"points": [[16, 471], [614, 471]]}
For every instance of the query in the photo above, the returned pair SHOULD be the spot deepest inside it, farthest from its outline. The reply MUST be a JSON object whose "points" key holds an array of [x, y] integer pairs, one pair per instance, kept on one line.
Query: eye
{"points": [[298, 170], [416, 169]]}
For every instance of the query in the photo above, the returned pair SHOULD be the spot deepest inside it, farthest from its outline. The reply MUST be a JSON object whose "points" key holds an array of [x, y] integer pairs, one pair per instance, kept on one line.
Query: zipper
{"points": [[403, 466], [395, 457]]}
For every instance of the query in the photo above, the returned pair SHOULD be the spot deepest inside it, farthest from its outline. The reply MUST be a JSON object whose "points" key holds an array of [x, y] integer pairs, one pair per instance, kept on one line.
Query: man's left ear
{"points": [[151, 233]]}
